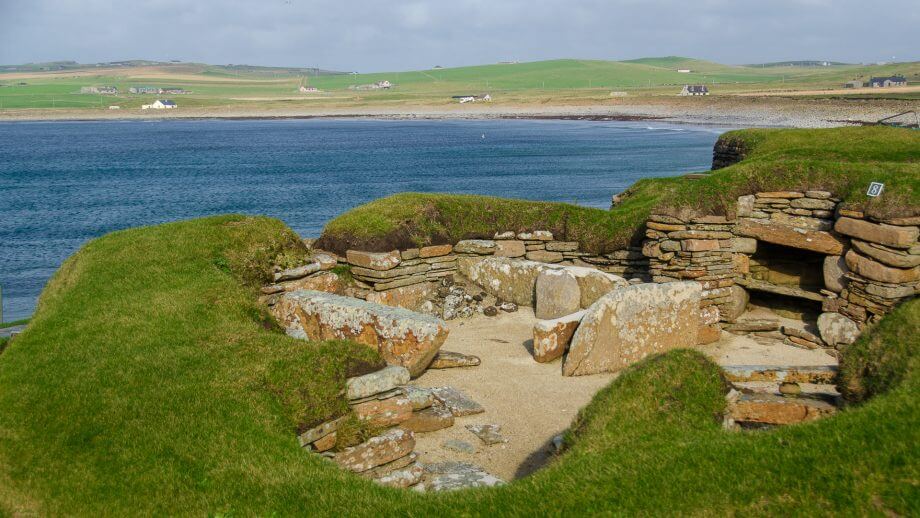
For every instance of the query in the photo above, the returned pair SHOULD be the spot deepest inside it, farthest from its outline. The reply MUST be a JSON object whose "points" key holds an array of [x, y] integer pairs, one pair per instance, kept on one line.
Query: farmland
{"points": [[566, 82]]}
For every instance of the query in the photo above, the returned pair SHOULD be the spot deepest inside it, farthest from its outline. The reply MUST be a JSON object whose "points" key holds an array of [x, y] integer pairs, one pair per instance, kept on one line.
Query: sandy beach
{"points": [[733, 111]]}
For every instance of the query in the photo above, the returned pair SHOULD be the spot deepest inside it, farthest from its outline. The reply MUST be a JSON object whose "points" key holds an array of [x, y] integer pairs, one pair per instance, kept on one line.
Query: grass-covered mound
{"points": [[150, 382], [841, 160]]}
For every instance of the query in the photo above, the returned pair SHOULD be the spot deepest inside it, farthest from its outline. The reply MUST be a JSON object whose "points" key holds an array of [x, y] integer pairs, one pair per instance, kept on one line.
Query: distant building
{"points": [[885, 82], [144, 90], [853, 84], [463, 99], [113, 107], [173, 91], [105, 90], [308, 89], [379, 85], [383, 84], [695, 90], [683, 70], [160, 104]]}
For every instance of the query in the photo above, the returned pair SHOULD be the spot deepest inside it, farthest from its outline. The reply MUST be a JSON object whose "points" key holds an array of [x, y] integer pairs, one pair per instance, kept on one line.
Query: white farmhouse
{"points": [[160, 104]]}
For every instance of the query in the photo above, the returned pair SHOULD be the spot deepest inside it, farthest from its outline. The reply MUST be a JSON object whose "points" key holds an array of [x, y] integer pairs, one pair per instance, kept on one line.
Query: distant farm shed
{"points": [[695, 90], [885, 82], [106, 90], [854, 84]]}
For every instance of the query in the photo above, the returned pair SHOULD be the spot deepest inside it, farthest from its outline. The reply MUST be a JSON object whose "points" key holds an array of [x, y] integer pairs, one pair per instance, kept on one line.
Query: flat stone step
{"points": [[818, 374], [766, 409], [789, 291]]}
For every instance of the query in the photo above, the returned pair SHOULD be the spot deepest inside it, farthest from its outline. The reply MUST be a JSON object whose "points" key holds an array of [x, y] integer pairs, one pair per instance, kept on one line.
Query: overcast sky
{"points": [[374, 35]]}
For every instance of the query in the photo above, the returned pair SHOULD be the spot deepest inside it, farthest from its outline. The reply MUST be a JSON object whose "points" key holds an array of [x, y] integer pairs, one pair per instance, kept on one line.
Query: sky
{"points": [[374, 35]]}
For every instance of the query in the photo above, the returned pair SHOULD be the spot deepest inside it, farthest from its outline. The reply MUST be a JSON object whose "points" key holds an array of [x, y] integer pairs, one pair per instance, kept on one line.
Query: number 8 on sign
{"points": [[875, 189]]}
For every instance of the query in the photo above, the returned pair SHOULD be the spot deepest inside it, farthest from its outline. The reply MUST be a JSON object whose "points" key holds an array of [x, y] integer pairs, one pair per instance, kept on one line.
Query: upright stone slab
{"points": [[552, 337], [631, 323], [594, 284], [511, 280], [401, 337], [557, 294]]}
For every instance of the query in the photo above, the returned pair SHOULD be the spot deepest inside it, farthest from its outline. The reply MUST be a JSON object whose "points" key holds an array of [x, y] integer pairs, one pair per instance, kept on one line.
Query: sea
{"points": [[65, 183]]}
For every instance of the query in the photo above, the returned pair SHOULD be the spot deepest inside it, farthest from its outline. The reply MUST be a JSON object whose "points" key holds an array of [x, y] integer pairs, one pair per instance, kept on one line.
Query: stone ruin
{"points": [[691, 279]]}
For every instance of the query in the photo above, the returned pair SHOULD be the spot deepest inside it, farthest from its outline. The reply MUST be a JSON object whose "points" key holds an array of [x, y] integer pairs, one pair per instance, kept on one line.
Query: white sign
{"points": [[875, 189]]}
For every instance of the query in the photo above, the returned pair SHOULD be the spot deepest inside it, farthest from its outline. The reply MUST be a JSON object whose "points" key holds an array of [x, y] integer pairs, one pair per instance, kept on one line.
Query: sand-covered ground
{"points": [[532, 401], [744, 111]]}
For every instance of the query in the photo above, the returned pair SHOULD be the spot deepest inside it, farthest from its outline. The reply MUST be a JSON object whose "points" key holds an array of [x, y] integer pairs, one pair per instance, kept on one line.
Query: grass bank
{"points": [[150, 382], [842, 160]]}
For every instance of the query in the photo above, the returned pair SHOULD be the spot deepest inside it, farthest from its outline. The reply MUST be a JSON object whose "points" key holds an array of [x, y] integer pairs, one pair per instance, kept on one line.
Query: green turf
{"points": [[149, 383], [842, 160], [14, 323]]}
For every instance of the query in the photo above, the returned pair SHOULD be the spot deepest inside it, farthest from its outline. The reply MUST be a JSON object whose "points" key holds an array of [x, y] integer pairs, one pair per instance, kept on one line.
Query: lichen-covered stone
{"points": [[557, 294], [814, 240], [380, 261], [834, 271], [384, 412], [431, 419], [451, 360], [544, 256], [889, 256], [628, 324], [435, 251], [457, 402], [401, 337], [378, 382], [536, 235], [411, 297], [552, 337], [510, 248], [475, 246], [376, 451], [449, 476], [837, 329], [877, 271], [594, 284], [489, 434], [508, 279], [883, 234]]}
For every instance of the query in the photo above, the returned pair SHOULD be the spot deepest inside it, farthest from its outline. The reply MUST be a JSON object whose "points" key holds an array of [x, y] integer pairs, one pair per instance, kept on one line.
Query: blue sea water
{"points": [[64, 183]]}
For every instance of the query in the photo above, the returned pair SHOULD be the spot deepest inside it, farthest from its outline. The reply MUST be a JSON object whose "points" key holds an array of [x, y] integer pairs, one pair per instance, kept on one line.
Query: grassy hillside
{"points": [[843, 160], [150, 382], [222, 85]]}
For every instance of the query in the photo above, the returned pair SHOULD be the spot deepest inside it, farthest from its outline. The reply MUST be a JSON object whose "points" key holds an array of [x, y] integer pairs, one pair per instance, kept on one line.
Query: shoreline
{"points": [[714, 111]]}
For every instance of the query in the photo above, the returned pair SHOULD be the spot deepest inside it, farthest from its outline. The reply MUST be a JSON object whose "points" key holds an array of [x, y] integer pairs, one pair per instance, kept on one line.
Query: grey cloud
{"points": [[398, 35]]}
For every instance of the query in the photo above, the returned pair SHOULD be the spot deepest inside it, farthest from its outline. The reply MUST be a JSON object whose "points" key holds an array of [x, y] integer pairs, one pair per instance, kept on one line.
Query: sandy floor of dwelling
{"points": [[533, 402]]}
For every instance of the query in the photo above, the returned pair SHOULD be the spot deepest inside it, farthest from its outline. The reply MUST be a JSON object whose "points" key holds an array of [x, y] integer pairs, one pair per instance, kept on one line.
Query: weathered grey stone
{"points": [[881, 233], [458, 446], [318, 432], [562, 246], [509, 234], [420, 397], [746, 206], [372, 275], [751, 325], [820, 195], [475, 246], [450, 360], [510, 248], [457, 402], [410, 297], [877, 271], [801, 222], [777, 410], [744, 245], [557, 294], [401, 337], [378, 382], [373, 260], [435, 251], [544, 256], [450, 476], [736, 305], [552, 337], [376, 451], [594, 284], [536, 235], [489, 434], [507, 279], [780, 194], [403, 478], [382, 413], [837, 329], [436, 417], [299, 272], [814, 240], [889, 256], [409, 254], [812, 203], [631, 323], [835, 269]]}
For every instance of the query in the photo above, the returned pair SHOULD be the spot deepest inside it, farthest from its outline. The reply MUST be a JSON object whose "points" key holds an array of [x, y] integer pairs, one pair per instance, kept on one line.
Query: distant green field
{"points": [[225, 85]]}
